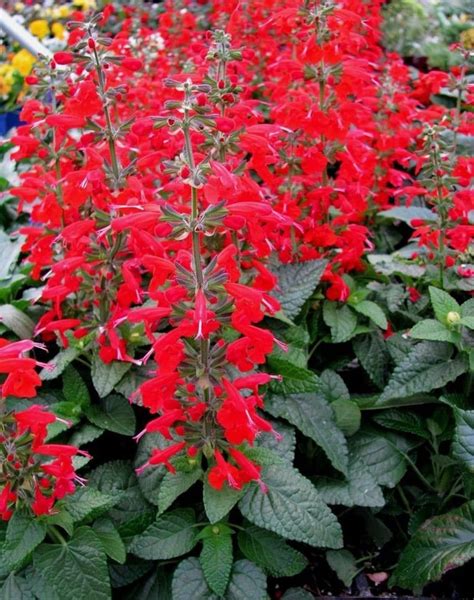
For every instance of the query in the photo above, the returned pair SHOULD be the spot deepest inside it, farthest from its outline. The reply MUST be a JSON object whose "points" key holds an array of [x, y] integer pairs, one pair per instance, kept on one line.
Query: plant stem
{"points": [[55, 535]]}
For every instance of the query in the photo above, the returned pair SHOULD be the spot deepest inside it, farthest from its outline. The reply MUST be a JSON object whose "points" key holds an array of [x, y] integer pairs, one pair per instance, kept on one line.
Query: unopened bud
{"points": [[453, 317]]}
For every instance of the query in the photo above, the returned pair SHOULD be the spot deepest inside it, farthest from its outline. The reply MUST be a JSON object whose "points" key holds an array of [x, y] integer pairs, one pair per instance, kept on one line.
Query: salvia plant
{"points": [[237, 313]]}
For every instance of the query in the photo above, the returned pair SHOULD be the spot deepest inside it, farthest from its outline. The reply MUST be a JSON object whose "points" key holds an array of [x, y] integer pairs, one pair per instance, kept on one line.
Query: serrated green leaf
{"points": [[401, 420], [110, 539], [372, 311], [360, 488], [75, 570], [468, 322], [342, 321], [247, 581], [408, 213], [24, 533], [284, 445], [428, 366], [292, 508], [175, 484], [118, 479], [382, 455], [17, 321], [442, 304], [344, 565], [371, 351], [295, 379], [332, 386], [433, 330], [218, 503], [114, 413], [85, 434], [123, 575], [57, 365], [74, 388], [15, 588], [270, 552], [313, 416], [296, 283], [87, 503], [157, 586], [216, 561], [105, 376], [62, 519], [463, 442], [440, 544], [172, 535], [150, 479], [189, 582]]}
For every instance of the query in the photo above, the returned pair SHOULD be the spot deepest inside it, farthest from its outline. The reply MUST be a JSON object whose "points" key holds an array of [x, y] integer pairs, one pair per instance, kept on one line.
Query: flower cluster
{"points": [[162, 184], [33, 473]]}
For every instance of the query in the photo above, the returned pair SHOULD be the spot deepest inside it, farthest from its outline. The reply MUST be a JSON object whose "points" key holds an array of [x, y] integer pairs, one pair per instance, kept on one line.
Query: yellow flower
{"points": [[58, 30], [19, 6], [467, 39], [6, 79], [23, 62], [84, 4], [39, 28]]}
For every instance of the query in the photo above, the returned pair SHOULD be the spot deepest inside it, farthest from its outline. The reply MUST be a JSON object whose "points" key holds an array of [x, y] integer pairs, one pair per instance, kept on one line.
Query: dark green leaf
{"points": [[175, 484], [296, 283], [292, 508], [344, 564], [172, 534], [24, 533], [114, 414], [76, 570], [439, 545], [110, 539], [247, 581], [189, 582], [463, 442], [270, 552], [372, 354], [216, 560], [342, 321], [105, 376], [218, 503]]}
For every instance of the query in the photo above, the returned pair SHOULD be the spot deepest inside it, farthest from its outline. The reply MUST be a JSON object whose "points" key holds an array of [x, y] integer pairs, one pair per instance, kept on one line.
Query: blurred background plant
{"points": [[425, 29]]}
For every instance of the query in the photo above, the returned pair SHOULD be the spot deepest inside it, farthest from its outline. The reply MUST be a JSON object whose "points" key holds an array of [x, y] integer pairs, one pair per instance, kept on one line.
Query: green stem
{"points": [[55, 535]]}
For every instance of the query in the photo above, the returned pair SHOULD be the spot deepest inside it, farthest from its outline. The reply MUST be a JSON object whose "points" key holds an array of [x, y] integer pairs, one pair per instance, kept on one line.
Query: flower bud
{"points": [[453, 317]]}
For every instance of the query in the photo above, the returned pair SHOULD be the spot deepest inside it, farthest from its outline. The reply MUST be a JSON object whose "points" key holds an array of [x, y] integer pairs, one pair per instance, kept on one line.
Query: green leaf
{"points": [[118, 479], [360, 488], [439, 545], [347, 415], [74, 388], [313, 416], [57, 365], [296, 283], [332, 386], [218, 503], [394, 264], [428, 366], [216, 560], [85, 434], [344, 565], [430, 329], [292, 508], [110, 539], [372, 311], [247, 581], [62, 519], [442, 304], [401, 420], [283, 446], [270, 552], [105, 376], [189, 582], [24, 533], [468, 322], [76, 570], [17, 321], [381, 454], [123, 575], [463, 442], [175, 484], [408, 213], [86, 504], [15, 588], [172, 535], [10, 252], [114, 414], [295, 379], [372, 354], [156, 587], [342, 321]]}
